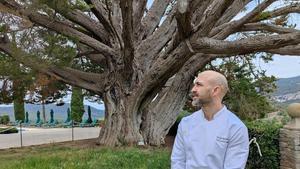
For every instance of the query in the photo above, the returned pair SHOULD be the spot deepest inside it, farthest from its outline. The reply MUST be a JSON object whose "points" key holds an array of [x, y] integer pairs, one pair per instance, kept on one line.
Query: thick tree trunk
{"points": [[128, 121], [162, 112], [121, 126]]}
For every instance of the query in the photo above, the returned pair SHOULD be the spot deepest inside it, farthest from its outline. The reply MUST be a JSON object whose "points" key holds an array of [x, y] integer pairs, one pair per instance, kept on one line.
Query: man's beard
{"points": [[197, 103]]}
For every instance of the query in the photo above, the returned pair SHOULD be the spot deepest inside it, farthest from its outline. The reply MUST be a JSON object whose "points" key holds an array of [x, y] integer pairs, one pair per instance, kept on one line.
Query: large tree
{"points": [[149, 57]]}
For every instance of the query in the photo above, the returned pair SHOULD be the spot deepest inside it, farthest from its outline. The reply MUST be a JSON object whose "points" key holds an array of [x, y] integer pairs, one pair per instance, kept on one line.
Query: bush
{"points": [[10, 130], [267, 136], [4, 119]]}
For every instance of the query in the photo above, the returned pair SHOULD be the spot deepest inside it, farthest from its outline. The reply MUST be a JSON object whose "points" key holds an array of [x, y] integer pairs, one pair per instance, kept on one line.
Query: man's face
{"points": [[202, 91]]}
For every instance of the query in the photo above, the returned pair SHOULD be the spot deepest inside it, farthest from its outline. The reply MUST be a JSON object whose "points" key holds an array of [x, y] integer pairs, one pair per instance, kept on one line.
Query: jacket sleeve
{"points": [[178, 158], [238, 150]]}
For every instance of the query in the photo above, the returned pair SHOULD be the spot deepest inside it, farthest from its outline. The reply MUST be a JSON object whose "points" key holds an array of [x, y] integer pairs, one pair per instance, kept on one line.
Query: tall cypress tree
{"points": [[18, 100], [77, 107]]}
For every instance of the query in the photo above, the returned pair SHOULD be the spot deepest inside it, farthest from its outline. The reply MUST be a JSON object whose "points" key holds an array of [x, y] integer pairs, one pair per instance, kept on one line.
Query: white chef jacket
{"points": [[222, 143]]}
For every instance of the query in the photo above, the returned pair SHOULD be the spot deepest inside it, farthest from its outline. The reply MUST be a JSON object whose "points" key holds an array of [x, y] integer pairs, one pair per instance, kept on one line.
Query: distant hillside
{"points": [[60, 112], [288, 90], [287, 86]]}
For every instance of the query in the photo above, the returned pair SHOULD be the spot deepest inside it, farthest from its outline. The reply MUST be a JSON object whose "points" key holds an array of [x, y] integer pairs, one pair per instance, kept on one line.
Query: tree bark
{"points": [[121, 126], [163, 110]]}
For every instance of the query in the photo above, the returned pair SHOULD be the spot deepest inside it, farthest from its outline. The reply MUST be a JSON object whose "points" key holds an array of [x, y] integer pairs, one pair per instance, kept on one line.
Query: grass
{"points": [[60, 157]]}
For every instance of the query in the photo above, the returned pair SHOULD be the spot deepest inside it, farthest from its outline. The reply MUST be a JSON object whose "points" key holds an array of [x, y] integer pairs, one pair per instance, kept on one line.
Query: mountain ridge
{"points": [[288, 90]]}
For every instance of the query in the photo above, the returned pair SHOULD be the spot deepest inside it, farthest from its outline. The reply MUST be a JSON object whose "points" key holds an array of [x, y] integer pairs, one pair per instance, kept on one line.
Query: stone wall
{"points": [[289, 143], [289, 140]]}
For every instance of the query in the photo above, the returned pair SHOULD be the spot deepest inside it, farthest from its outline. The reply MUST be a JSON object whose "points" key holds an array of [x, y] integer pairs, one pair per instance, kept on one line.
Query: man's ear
{"points": [[216, 90]]}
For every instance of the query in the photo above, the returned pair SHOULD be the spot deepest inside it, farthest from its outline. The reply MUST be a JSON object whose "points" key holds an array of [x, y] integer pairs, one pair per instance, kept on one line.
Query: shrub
{"points": [[267, 136], [8, 130], [4, 119]]}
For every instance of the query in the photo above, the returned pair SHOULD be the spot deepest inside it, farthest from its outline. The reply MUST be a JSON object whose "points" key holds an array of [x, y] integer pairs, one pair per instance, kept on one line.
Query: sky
{"points": [[281, 66]]}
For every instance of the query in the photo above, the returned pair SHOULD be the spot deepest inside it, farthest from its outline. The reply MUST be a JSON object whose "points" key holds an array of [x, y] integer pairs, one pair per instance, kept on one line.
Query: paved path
{"points": [[36, 136]]}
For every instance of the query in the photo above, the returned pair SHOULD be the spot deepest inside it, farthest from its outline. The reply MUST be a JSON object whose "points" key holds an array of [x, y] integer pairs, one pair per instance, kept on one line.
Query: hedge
{"points": [[11, 130], [267, 136], [4, 119]]}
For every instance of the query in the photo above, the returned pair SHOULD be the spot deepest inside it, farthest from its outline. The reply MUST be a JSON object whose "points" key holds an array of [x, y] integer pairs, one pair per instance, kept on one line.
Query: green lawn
{"points": [[60, 157]]}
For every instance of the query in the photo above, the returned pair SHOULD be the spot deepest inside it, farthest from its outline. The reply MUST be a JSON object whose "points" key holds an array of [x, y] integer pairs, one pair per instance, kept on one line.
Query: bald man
{"points": [[213, 137]]}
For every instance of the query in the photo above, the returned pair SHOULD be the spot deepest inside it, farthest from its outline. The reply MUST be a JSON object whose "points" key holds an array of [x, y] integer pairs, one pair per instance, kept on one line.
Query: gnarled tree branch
{"points": [[127, 35], [214, 11], [244, 46], [267, 27], [293, 50], [230, 27], [139, 7], [184, 18], [146, 52], [86, 22], [293, 8], [153, 17], [97, 7], [232, 11]]}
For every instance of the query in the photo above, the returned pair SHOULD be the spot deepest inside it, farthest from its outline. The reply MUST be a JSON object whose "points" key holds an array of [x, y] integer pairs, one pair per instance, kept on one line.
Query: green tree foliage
{"points": [[19, 109], [45, 90], [15, 78], [77, 107], [4, 119], [19, 79]]}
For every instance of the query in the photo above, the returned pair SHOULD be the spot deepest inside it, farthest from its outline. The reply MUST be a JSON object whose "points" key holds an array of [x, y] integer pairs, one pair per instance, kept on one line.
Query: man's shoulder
{"points": [[191, 117], [235, 121]]}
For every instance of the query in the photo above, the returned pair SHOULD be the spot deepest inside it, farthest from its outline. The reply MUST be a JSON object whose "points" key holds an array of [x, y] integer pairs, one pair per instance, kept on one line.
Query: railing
{"points": [[80, 134]]}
